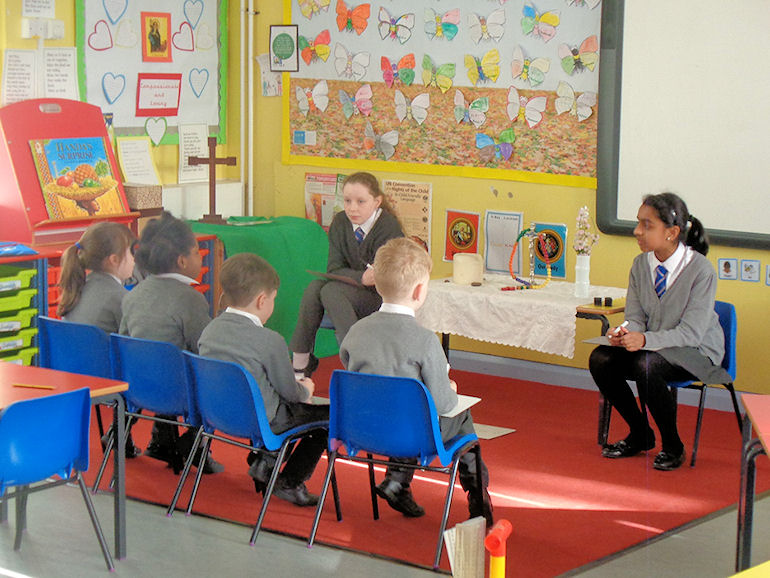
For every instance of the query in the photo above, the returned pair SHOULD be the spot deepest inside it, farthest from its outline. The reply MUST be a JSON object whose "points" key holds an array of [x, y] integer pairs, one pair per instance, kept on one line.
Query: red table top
{"points": [[758, 409]]}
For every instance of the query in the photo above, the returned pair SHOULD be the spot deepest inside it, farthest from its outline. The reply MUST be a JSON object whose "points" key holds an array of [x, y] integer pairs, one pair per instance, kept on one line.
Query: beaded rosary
{"points": [[529, 284]]}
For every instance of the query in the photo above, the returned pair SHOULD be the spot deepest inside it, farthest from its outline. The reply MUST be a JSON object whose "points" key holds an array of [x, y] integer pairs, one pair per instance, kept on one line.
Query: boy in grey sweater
{"points": [[391, 342]]}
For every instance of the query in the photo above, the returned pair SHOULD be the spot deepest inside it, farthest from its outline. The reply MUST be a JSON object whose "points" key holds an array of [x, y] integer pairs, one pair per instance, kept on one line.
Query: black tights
{"points": [[612, 366]]}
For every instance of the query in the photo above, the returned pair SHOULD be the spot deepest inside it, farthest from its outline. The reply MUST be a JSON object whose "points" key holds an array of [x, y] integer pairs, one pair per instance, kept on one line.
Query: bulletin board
{"points": [[154, 64], [492, 89]]}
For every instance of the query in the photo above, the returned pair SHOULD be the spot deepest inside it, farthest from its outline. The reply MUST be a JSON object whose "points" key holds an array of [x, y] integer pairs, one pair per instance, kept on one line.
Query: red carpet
{"points": [[568, 506]]}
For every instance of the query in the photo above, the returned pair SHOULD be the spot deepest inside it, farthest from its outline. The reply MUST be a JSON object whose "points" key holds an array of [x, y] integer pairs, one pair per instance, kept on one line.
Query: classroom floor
{"points": [[60, 543]]}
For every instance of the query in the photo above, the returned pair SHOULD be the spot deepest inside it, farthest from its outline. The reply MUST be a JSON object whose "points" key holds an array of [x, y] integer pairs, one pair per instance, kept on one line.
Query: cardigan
{"points": [[100, 302]]}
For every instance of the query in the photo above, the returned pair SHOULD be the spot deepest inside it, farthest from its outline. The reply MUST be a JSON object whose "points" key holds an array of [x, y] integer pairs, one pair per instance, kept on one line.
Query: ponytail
{"points": [[71, 280], [697, 237], [672, 210]]}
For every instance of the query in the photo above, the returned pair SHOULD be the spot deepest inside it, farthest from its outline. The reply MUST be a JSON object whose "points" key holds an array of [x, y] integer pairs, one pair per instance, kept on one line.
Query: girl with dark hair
{"points": [[672, 334]]}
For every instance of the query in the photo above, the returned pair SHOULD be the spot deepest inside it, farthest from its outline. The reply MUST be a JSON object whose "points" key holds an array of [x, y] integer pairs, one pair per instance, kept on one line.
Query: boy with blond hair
{"points": [[391, 342], [250, 284]]}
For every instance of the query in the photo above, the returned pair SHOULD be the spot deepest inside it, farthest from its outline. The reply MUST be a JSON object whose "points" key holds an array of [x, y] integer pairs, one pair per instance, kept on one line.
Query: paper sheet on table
{"points": [[463, 402], [601, 340]]}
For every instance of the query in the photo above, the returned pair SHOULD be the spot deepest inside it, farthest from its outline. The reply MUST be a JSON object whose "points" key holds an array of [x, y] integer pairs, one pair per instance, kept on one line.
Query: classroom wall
{"points": [[279, 191]]}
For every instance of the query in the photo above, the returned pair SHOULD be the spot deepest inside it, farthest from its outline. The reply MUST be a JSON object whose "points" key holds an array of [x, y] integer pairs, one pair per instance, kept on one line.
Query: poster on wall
{"points": [[323, 197], [501, 229], [462, 233], [411, 203], [554, 236]]}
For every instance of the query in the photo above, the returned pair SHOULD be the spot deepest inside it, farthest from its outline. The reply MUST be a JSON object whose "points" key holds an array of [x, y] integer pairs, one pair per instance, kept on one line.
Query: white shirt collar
{"points": [[116, 279], [179, 277], [396, 308], [674, 264], [257, 321], [369, 223]]}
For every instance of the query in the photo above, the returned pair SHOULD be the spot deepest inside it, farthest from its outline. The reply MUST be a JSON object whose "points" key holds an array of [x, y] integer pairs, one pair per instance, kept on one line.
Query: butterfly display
{"points": [[309, 8], [581, 106], [385, 144], [438, 26], [490, 28], [475, 113], [542, 25], [396, 28], [440, 76], [590, 3], [529, 111], [402, 73], [349, 65], [361, 103], [533, 71], [486, 69], [490, 149], [579, 59], [316, 99], [352, 18], [312, 50], [417, 109]]}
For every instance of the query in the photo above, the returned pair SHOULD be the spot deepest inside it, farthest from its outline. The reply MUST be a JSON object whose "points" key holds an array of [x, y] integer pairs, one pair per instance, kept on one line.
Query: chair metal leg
{"points": [[445, 514], [372, 491], [99, 420], [736, 409], [199, 473], [187, 465], [698, 424], [336, 496], [95, 523], [21, 514], [322, 499], [751, 449], [107, 449], [288, 442]]}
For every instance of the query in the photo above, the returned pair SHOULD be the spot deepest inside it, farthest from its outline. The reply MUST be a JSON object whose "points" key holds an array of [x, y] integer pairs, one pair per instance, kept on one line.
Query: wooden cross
{"points": [[212, 161]]}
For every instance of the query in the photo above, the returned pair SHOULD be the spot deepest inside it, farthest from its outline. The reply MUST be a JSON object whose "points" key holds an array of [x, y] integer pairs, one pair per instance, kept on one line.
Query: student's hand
{"points": [[308, 384], [453, 385], [633, 341], [368, 277], [615, 336]]}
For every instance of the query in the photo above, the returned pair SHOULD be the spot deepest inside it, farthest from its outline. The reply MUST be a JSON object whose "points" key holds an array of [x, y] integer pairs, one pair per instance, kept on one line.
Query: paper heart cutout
{"points": [[183, 40], [113, 86], [198, 79], [101, 37], [115, 9], [193, 9], [155, 129], [125, 35], [204, 39]]}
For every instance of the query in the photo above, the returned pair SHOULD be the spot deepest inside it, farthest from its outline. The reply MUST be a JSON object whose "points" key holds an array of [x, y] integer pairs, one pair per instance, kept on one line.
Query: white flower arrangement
{"points": [[584, 239]]}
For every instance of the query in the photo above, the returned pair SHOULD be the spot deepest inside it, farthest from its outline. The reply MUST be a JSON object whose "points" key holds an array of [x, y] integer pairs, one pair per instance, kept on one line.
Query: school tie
{"points": [[660, 280], [359, 233]]}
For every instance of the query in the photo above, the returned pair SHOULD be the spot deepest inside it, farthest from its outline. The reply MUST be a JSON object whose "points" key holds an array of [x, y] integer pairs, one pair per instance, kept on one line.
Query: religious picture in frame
{"points": [[156, 36], [554, 235], [284, 54], [462, 233]]}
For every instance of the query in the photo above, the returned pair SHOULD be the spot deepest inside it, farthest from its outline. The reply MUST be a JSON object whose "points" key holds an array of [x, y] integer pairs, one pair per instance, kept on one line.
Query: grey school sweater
{"points": [[165, 309], [395, 344], [261, 351], [100, 302], [682, 325]]}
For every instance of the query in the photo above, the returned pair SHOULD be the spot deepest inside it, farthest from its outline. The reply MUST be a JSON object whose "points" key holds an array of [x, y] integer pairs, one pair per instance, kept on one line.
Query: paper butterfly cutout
{"points": [[590, 3], [403, 72], [533, 71], [578, 59], [476, 113], [519, 108], [309, 8], [360, 103], [352, 18], [542, 25], [488, 68], [350, 65], [417, 109], [489, 28], [397, 28], [489, 149], [312, 50], [315, 99], [437, 76], [581, 107], [384, 144], [438, 26]]}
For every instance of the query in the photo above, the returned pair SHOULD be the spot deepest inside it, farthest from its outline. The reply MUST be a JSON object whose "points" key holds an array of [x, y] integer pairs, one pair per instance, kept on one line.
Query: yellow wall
{"points": [[279, 191]]}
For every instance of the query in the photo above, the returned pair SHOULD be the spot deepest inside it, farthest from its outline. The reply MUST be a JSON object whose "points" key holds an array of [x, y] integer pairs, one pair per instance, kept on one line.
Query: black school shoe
{"points": [[312, 365], [667, 461], [399, 498], [624, 449], [297, 495]]}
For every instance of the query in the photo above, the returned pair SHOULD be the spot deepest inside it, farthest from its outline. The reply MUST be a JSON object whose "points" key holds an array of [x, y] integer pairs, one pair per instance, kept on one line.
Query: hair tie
{"points": [[78, 246]]}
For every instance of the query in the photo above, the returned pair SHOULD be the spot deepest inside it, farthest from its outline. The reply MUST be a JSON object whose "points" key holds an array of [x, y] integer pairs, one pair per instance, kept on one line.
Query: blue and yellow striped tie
{"points": [[359, 233], [660, 280]]}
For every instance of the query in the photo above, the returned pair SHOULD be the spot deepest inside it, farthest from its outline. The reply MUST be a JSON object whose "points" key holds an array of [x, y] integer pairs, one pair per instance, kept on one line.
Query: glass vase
{"points": [[582, 275]]}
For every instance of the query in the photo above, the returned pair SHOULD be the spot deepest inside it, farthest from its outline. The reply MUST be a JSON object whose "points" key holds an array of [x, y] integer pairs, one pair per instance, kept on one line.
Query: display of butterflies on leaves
{"points": [[316, 99], [580, 106], [309, 8], [579, 59], [442, 26], [385, 144], [475, 113], [490, 28], [417, 109], [529, 111], [537, 24], [361, 103], [393, 73], [350, 65], [312, 50], [396, 28], [439, 76], [532, 71], [351, 19], [590, 3], [484, 70], [490, 149]]}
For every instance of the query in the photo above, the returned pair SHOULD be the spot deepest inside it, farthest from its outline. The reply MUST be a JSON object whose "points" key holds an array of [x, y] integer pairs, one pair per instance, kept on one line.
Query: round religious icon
{"points": [[554, 246], [462, 233], [283, 46]]}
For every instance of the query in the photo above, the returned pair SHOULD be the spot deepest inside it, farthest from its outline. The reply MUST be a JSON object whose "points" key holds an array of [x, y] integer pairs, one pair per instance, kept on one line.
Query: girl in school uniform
{"points": [[673, 333], [366, 224]]}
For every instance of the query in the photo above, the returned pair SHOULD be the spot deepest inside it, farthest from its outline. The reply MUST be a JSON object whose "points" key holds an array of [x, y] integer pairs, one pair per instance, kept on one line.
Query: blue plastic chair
{"points": [[393, 417], [229, 401], [40, 438], [157, 380]]}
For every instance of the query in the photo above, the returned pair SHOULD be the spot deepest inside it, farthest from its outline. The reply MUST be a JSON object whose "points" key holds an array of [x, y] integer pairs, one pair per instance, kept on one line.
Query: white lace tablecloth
{"points": [[542, 320]]}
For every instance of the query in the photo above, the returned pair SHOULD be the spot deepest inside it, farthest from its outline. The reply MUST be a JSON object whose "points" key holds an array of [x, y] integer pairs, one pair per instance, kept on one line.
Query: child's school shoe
{"points": [[399, 498], [312, 365], [297, 495]]}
